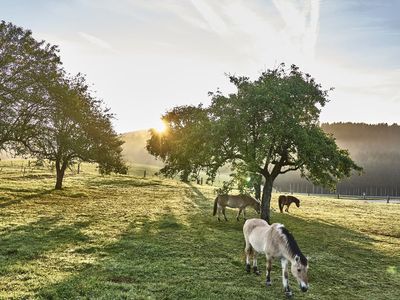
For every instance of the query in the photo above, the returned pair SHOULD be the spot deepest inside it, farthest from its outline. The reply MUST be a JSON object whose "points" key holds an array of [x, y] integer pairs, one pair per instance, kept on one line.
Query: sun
{"points": [[161, 127]]}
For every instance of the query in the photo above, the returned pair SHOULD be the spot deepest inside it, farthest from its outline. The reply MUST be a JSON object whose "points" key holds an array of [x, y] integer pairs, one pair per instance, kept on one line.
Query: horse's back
{"points": [[293, 199], [251, 224], [254, 231], [282, 199], [234, 201]]}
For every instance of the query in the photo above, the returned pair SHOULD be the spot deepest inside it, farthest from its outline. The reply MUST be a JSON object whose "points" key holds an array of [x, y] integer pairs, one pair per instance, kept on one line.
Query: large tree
{"points": [[269, 127], [26, 68]]}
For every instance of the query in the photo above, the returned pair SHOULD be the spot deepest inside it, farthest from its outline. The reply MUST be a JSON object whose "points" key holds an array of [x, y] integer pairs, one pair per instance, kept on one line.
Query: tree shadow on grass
{"points": [[26, 243], [127, 182], [166, 258], [20, 177], [18, 195]]}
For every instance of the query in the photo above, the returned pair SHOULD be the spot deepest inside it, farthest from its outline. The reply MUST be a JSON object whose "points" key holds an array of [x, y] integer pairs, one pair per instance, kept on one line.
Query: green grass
{"points": [[125, 237]]}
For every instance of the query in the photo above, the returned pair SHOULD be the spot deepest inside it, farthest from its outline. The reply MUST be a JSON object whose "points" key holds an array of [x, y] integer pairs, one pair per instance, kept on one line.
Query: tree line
{"points": [[49, 114], [374, 146], [267, 128]]}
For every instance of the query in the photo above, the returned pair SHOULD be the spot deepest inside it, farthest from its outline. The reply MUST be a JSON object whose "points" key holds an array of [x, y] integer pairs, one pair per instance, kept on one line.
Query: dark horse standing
{"points": [[287, 200]]}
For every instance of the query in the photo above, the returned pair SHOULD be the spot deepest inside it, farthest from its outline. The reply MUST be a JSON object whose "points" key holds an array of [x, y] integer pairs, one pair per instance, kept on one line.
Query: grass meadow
{"points": [[128, 237]]}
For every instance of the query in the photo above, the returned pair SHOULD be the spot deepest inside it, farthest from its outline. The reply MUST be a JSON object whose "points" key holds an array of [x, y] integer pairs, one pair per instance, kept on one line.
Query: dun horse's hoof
{"points": [[256, 271], [248, 268], [289, 294]]}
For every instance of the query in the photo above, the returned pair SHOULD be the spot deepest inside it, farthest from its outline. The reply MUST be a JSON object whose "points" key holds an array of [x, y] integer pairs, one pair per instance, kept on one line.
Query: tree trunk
{"points": [[60, 168], [266, 200], [257, 191]]}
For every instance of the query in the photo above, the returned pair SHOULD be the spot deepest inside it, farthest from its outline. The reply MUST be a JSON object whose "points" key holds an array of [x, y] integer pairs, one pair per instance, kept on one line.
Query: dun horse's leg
{"points": [[285, 277], [238, 215], [244, 214], [219, 213], [255, 268], [247, 251], [287, 207], [223, 212], [269, 266]]}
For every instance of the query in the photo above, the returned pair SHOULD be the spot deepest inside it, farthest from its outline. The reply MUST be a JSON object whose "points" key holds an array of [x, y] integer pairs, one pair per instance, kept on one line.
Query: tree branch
{"points": [[290, 169]]}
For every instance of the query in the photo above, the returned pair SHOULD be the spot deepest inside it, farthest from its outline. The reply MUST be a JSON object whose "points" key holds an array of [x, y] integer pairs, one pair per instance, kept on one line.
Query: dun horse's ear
{"points": [[297, 258]]}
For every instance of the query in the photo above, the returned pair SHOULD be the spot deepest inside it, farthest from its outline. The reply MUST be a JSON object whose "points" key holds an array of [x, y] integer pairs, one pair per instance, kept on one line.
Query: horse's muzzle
{"points": [[303, 288]]}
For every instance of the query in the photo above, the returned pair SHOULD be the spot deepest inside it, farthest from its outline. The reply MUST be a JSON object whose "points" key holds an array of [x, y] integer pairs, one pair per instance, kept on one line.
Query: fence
{"points": [[370, 194]]}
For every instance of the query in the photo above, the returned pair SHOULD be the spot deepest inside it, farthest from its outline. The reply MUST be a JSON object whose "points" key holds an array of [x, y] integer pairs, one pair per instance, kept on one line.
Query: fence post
{"points": [[144, 174]]}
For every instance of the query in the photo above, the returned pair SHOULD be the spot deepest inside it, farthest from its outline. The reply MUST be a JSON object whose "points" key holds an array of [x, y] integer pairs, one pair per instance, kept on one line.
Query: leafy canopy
{"points": [[270, 126], [26, 68]]}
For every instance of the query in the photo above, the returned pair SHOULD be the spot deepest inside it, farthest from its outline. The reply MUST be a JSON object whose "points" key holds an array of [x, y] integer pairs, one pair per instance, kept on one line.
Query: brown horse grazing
{"points": [[275, 241], [287, 200], [235, 201]]}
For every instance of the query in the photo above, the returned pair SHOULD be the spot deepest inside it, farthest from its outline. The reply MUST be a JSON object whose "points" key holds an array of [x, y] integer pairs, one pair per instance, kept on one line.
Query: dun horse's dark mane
{"points": [[293, 247]]}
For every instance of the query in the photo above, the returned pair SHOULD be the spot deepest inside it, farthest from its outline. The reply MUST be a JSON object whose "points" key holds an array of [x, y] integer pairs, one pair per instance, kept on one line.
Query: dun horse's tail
{"points": [[215, 206], [280, 202]]}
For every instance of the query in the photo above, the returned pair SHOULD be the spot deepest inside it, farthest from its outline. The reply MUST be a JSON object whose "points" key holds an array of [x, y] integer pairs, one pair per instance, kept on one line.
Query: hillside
{"points": [[134, 148]]}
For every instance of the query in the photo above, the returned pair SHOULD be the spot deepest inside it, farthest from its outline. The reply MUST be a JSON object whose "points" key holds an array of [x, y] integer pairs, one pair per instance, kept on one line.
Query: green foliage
{"points": [[77, 128], [183, 146], [241, 181], [26, 68]]}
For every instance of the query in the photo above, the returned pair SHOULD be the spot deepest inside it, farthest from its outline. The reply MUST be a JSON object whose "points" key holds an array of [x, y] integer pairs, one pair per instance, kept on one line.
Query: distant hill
{"points": [[134, 148]]}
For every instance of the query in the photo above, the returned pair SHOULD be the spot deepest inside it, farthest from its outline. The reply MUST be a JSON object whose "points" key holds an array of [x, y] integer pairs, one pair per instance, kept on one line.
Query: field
{"points": [[127, 237]]}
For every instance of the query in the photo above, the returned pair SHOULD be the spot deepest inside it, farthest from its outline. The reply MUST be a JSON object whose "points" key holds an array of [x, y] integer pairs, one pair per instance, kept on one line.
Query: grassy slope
{"points": [[123, 237]]}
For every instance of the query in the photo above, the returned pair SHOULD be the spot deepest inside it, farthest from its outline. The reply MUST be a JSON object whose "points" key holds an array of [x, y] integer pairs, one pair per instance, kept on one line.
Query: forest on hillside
{"points": [[374, 147]]}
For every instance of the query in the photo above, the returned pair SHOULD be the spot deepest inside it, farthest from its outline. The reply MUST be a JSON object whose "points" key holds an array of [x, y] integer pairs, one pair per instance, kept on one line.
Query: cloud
{"points": [[98, 42], [302, 23], [212, 18]]}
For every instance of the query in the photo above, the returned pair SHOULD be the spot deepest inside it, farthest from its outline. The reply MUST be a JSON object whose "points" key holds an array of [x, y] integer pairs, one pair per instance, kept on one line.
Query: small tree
{"points": [[270, 127], [183, 144], [76, 127]]}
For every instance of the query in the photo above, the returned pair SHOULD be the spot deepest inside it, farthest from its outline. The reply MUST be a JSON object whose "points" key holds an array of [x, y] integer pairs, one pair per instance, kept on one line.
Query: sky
{"points": [[145, 57]]}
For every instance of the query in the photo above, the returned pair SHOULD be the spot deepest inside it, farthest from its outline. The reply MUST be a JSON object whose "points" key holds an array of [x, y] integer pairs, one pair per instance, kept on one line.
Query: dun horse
{"points": [[275, 241], [234, 201], [287, 200]]}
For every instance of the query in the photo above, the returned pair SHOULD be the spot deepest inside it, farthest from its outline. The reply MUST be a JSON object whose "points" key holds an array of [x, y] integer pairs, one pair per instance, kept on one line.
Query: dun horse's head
{"points": [[298, 203], [299, 270]]}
